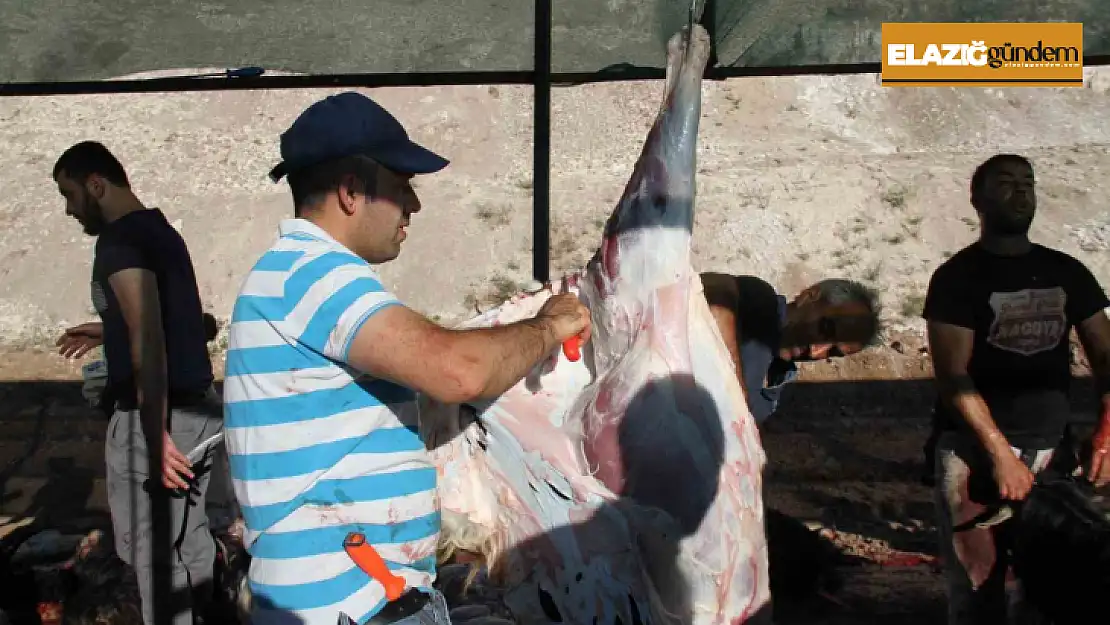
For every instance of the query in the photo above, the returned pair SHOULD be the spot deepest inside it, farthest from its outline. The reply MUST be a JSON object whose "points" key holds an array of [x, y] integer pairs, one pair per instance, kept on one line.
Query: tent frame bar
{"points": [[541, 78], [620, 73], [541, 144]]}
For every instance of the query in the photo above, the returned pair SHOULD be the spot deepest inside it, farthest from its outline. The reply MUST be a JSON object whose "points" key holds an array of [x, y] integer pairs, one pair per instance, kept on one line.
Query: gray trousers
{"points": [[220, 503], [192, 550], [981, 588]]}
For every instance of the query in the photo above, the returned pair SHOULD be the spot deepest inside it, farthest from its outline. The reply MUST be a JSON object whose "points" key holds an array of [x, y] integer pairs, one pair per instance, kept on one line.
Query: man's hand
{"points": [[1094, 335], [459, 366], [566, 317], [1099, 470], [174, 465], [1014, 479], [78, 340]]}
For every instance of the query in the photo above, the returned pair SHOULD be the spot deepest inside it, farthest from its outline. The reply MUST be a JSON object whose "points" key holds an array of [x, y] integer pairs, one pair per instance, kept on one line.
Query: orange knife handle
{"points": [[572, 348], [366, 558]]}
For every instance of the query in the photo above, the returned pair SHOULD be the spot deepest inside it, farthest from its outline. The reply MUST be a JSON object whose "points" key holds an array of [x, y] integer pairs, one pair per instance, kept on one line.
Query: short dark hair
{"points": [[979, 176], [839, 291], [86, 158], [311, 184]]}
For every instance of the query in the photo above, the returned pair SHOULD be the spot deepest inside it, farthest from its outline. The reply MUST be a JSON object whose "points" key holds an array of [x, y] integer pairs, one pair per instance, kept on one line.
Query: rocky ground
{"points": [[799, 179]]}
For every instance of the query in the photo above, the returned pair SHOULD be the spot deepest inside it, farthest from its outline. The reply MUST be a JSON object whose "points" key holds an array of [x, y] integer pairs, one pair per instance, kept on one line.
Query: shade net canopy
{"points": [[83, 40]]}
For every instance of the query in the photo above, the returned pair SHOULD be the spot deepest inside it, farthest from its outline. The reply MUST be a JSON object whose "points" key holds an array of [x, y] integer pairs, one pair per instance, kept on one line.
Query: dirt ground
{"points": [[844, 456]]}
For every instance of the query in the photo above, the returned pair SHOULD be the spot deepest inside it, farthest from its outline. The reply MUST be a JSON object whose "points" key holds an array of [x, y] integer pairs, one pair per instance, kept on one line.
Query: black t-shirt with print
{"points": [[760, 315], [1022, 309], [145, 239]]}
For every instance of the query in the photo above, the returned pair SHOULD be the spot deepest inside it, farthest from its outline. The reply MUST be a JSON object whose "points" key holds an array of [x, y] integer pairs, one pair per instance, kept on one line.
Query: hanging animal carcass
{"points": [[624, 487]]}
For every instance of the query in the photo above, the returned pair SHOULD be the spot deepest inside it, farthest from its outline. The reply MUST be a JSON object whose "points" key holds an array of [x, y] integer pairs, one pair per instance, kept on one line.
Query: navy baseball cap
{"points": [[346, 124]]}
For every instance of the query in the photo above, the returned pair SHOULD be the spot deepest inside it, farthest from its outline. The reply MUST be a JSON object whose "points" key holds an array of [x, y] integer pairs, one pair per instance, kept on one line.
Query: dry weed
{"points": [[896, 196], [913, 304], [495, 216]]}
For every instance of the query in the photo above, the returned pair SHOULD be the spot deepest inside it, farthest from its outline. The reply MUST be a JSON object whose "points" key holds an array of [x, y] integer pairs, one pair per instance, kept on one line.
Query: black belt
{"points": [[403, 607], [177, 399]]}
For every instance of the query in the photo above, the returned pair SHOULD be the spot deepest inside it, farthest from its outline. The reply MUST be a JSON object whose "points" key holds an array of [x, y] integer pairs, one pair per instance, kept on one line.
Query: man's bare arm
{"points": [[950, 347], [726, 324], [450, 366], [136, 290], [1094, 335]]}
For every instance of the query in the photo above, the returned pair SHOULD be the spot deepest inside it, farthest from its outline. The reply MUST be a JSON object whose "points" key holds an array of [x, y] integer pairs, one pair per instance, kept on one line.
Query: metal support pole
{"points": [[708, 20], [541, 145]]}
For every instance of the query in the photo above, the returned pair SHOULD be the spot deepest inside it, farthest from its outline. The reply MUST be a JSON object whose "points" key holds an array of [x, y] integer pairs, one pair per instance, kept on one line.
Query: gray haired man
{"points": [[766, 334]]}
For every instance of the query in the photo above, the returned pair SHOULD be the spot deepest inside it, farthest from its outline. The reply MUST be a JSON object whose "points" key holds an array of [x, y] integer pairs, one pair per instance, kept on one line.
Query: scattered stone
{"points": [[909, 344], [1092, 236]]}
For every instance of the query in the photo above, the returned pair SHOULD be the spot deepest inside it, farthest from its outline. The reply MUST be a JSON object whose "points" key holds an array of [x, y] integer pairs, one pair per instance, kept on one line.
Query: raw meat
{"points": [[624, 487]]}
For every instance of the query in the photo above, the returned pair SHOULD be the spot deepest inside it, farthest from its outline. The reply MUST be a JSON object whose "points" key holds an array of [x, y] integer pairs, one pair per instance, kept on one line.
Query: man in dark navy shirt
{"points": [[160, 378], [766, 335], [998, 314]]}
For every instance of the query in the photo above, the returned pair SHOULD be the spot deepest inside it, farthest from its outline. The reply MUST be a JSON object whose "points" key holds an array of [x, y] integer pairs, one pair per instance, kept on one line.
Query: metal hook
{"points": [[695, 12]]}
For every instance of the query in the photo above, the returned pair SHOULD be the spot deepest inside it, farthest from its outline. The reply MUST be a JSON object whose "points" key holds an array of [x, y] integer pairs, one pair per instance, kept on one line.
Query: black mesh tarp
{"points": [[796, 32], [79, 40]]}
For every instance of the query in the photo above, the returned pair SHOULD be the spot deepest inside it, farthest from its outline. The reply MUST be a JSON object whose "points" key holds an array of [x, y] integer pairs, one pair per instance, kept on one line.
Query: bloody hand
{"points": [[1099, 470]]}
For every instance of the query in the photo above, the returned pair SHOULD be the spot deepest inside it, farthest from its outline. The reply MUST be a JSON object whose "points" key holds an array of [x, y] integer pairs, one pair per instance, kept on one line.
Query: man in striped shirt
{"points": [[322, 370]]}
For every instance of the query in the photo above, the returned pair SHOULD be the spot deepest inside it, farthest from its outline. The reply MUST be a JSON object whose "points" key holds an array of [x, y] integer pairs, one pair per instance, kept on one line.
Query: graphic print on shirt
{"points": [[1029, 321]]}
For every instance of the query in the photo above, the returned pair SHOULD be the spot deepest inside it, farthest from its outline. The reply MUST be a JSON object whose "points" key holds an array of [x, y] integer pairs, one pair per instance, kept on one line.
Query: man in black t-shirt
{"points": [[160, 378], [999, 313], [767, 335]]}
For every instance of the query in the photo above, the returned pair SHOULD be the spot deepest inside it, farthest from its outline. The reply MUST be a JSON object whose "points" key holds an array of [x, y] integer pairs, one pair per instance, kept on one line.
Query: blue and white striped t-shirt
{"points": [[316, 450]]}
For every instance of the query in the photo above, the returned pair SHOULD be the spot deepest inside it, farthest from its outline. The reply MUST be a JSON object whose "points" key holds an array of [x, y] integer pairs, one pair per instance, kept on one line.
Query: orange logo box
{"points": [[1016, 54]]}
